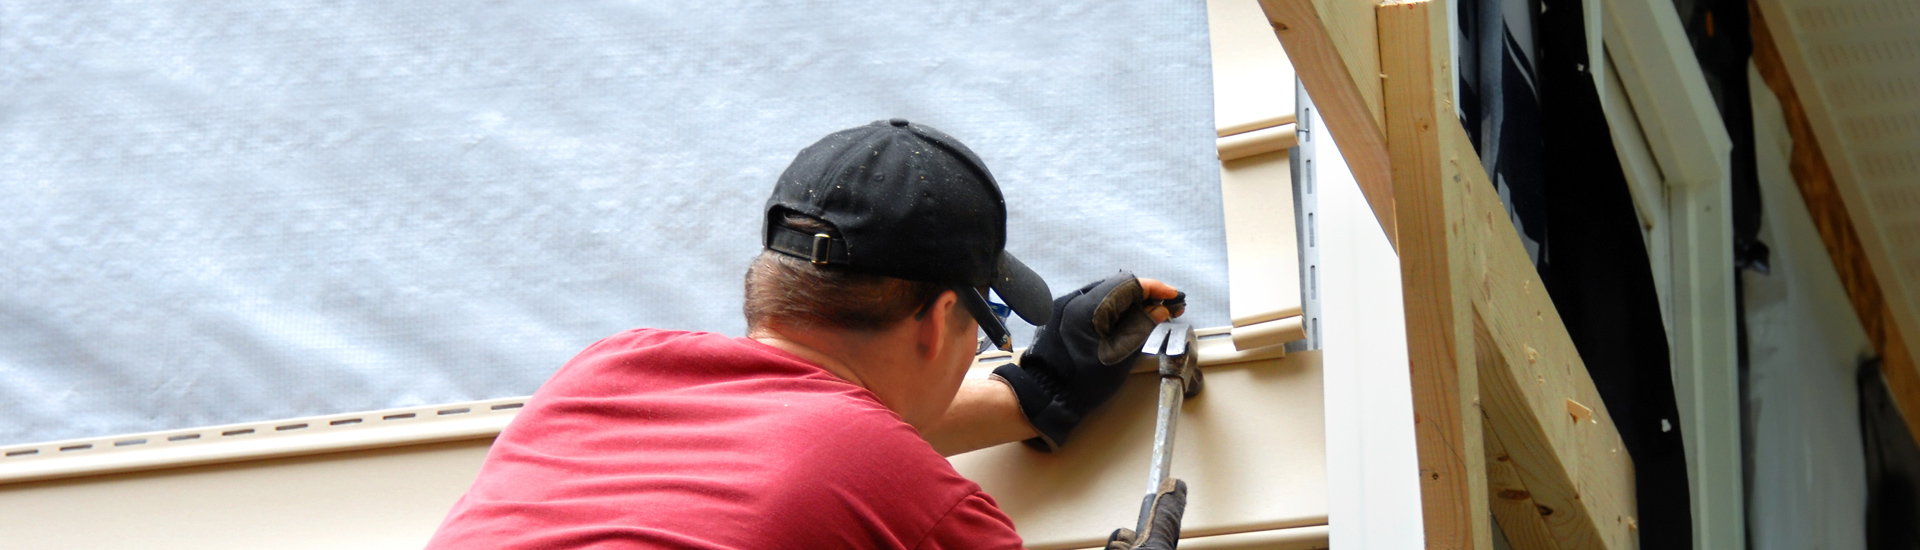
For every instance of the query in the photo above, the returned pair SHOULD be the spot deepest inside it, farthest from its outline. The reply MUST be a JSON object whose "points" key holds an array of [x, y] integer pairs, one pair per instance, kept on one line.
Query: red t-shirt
{"points": [[670, 439]]}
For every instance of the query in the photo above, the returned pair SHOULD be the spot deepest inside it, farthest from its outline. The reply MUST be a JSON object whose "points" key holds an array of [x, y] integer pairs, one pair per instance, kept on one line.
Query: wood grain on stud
{"points": [[1434, 277]]}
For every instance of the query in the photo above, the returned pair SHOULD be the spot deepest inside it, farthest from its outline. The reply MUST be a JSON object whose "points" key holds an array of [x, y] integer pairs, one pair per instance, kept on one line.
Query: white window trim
{"points": [[1674, 149]]}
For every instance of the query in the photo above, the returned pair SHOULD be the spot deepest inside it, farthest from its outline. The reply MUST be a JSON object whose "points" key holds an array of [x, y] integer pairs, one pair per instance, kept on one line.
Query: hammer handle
{"points": [[1173, 391]]}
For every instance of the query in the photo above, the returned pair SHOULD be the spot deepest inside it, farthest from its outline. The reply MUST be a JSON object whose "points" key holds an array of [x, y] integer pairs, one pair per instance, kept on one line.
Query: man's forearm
{"points": [[985, 413]]}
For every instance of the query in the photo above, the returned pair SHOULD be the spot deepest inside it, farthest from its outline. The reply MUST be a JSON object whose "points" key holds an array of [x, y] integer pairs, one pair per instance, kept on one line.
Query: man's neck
{"points": [[813, 350]]}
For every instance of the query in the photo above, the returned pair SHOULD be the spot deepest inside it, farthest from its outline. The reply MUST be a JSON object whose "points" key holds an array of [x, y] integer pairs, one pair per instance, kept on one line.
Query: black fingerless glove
{"points": [[1080, 358]]}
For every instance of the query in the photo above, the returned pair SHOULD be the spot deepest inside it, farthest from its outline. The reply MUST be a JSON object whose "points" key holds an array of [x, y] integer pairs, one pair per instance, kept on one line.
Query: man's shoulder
{"points": [[709, 430], [656, 357], [660, 340], [751, 385]]}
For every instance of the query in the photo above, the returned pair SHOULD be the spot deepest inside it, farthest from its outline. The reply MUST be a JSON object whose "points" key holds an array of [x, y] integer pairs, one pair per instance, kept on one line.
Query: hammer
{"points": [[1174, 344]]}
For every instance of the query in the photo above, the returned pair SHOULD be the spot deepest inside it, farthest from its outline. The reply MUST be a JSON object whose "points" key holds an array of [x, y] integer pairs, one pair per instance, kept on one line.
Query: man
{"points": [[827, 425]]}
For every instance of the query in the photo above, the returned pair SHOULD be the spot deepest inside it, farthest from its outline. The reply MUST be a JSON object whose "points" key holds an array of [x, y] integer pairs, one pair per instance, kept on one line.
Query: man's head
{"points": [[905, 201], [883, 231], [908, 342], [791, 292]]}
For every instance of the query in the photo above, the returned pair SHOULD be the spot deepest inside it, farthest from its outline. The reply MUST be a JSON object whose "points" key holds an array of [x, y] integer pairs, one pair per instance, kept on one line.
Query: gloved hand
{"points": [[1080, 358], [1163, 531]]}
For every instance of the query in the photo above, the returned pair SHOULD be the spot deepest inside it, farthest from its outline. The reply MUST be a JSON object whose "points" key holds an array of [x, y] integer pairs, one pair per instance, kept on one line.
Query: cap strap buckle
{"points": [[822, 246]]}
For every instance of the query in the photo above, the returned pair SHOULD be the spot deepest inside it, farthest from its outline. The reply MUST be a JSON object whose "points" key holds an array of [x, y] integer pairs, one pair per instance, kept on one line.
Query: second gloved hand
{"points": [[1163, 528], [1081, 357]]}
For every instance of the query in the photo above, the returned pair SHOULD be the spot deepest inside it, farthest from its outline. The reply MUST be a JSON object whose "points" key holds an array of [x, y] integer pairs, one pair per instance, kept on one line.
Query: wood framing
{"points": [[1815, 180], [1539, 402], [1504, 409], [1512, 504], [1440, 346], [1334, 50]]}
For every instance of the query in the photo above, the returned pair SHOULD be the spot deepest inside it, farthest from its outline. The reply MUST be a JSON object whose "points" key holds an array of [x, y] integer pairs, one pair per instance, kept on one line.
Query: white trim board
{"points": [[1670, 114], [1373, 471], [1646, 184], [256, 440]]}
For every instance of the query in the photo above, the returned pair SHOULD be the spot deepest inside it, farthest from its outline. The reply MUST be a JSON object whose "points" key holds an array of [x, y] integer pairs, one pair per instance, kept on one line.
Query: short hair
{"points": [[790, 291]]}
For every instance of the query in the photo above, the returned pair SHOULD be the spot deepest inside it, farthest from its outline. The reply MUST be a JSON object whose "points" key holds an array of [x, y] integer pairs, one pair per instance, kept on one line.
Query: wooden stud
{"points": [[1475, 327], [1479, 335], [1521, 519], [1433, 272], [1533, 384]]}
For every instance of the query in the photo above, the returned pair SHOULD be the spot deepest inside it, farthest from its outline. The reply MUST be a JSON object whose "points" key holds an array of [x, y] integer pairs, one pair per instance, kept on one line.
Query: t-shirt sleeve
{"points": [[975, 522]]}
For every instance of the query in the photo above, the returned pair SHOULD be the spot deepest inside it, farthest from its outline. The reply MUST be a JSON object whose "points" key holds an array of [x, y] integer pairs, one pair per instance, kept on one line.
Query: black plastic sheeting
{"points": [[1893, 466]]}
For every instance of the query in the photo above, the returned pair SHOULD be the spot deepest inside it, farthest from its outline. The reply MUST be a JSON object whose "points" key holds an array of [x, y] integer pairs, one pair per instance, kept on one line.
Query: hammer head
{"points": [[1176, 347]]}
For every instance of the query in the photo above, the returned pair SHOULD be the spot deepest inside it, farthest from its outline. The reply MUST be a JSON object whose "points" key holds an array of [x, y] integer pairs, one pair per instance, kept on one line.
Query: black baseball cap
{"points": [[910, 202]]}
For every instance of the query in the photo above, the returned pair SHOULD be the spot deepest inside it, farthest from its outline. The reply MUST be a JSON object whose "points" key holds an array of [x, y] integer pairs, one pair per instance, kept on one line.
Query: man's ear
{"points": [[930, 338]]}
